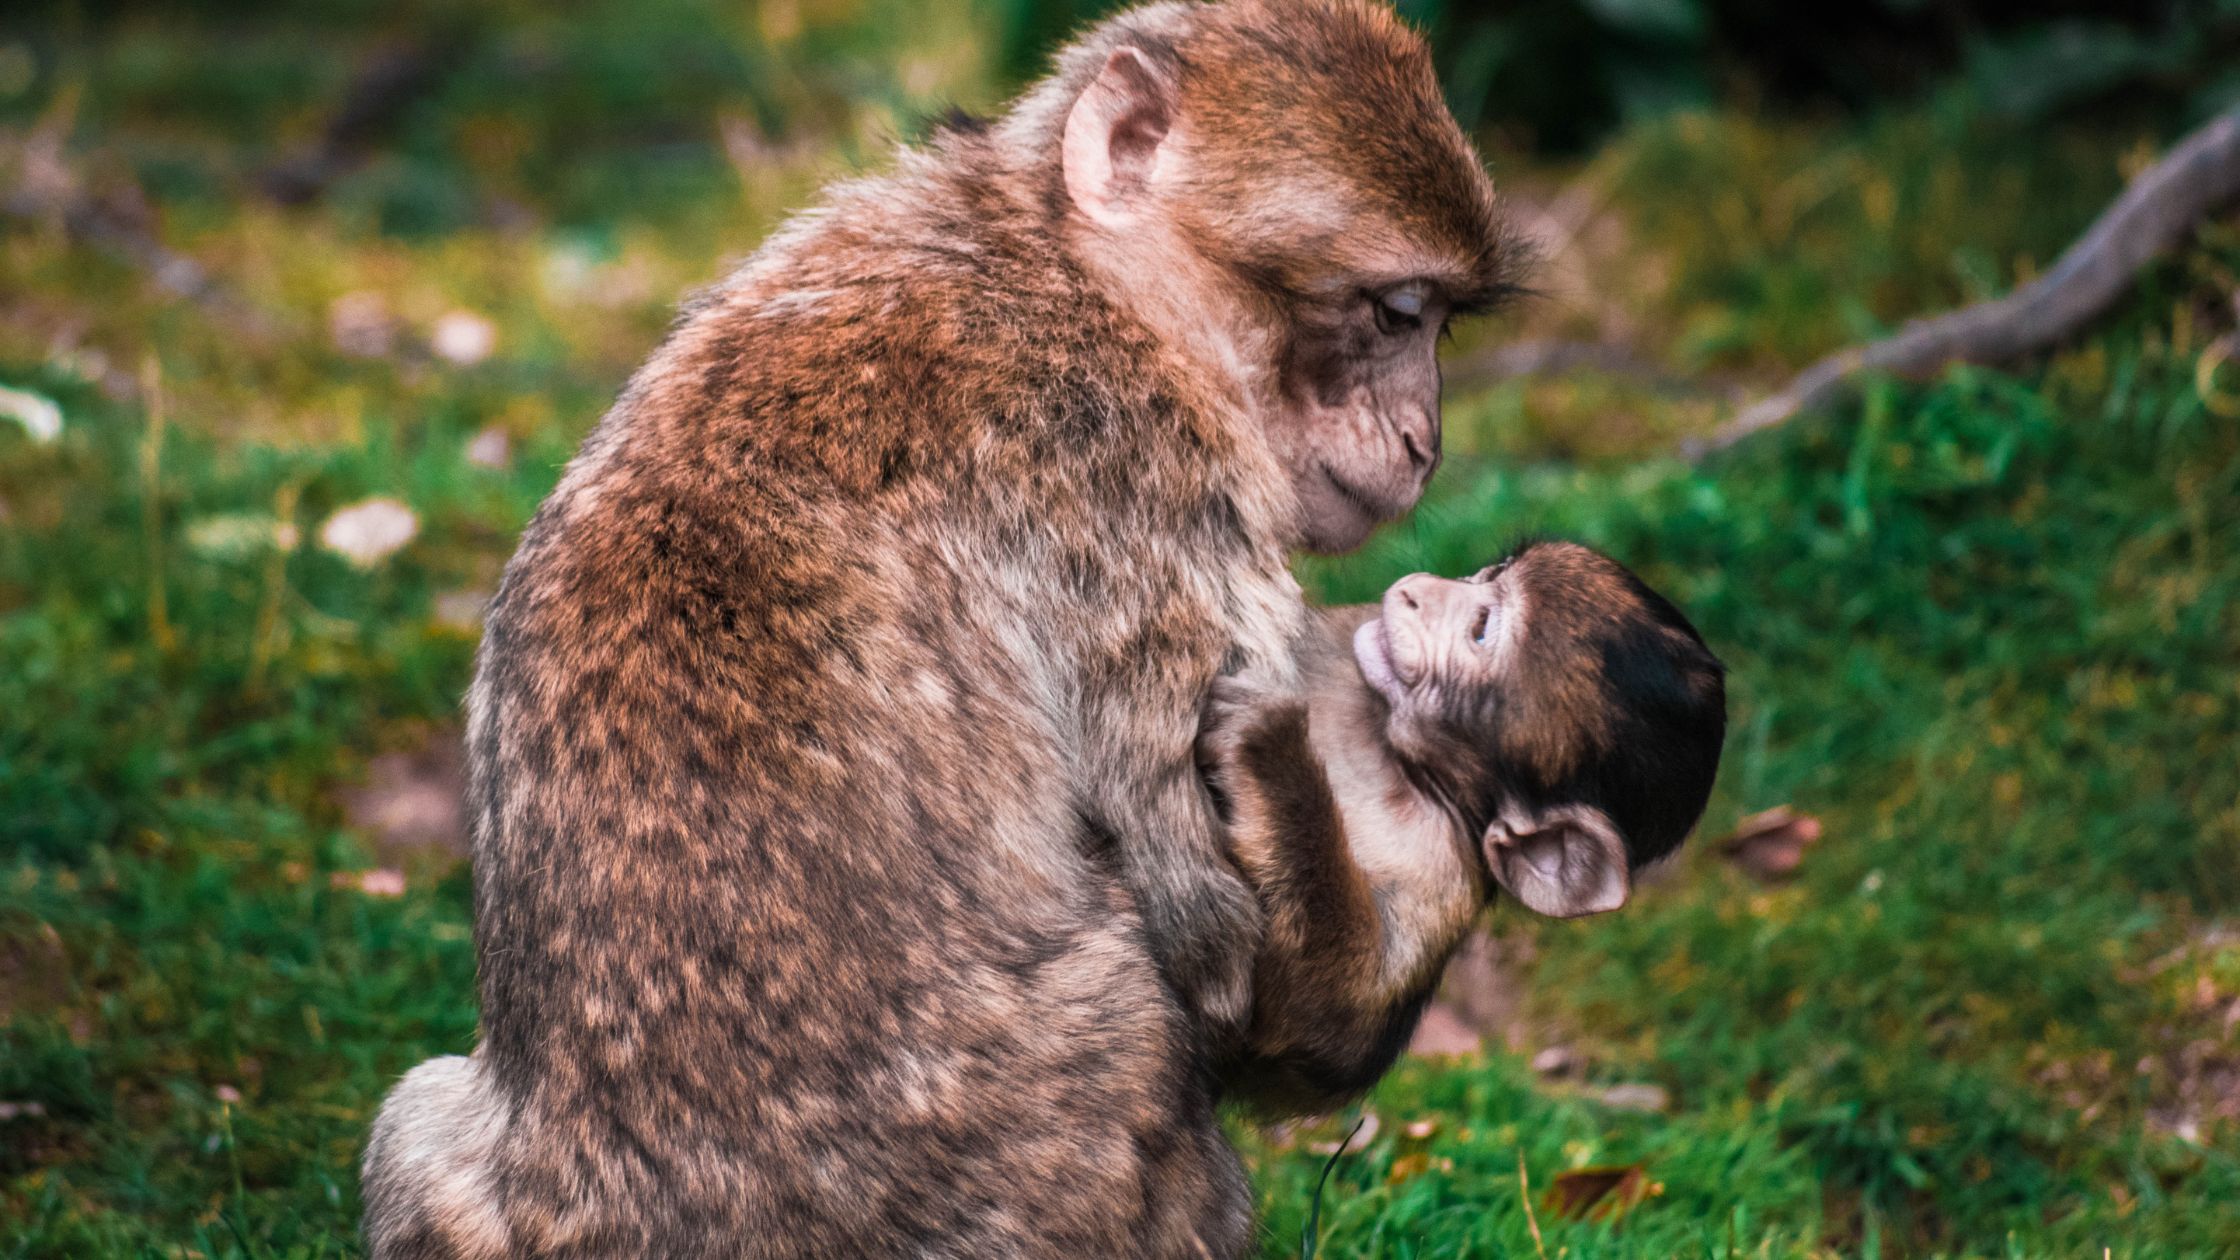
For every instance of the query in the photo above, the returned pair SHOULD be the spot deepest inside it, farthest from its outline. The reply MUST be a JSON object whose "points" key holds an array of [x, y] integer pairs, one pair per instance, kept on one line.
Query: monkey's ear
{"points": [[1114, 136], [1564, 862]]}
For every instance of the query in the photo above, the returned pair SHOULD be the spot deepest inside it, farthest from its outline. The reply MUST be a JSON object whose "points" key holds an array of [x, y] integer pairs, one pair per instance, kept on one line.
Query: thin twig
{"points": [[385, 88], [263, 638], [151, 503], [2155, 213], [1524, 1194]]}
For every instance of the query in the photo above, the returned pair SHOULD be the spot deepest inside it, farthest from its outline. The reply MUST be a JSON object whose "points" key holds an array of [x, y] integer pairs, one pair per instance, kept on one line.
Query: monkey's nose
{"points": [[1419, 437], [1416, 455]]}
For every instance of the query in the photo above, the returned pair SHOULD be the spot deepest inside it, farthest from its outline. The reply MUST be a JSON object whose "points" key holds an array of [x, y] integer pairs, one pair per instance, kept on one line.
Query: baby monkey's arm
{"points": [[1366, 888]]}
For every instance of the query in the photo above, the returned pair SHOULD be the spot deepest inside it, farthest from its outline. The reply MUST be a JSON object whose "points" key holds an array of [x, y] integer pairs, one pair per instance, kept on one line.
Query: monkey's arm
{"points": [[1200, 917], [1350, 956]]}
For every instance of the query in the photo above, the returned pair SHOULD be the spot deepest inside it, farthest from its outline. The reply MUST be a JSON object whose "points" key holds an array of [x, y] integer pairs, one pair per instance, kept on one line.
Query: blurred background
{"points": [[303, 305]]}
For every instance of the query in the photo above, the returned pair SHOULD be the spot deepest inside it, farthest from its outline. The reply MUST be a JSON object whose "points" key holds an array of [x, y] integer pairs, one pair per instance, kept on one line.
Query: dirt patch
{"points": [[413, 802], [34, 969]]}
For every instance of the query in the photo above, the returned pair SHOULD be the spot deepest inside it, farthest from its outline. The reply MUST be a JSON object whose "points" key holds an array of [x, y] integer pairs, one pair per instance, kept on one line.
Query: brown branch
{"points": [[385, 88], [2156, 213]]}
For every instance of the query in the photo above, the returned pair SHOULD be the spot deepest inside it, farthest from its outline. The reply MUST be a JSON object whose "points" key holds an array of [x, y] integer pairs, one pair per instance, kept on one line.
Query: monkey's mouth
{"points": [[1367, 505], [1372, 651]]}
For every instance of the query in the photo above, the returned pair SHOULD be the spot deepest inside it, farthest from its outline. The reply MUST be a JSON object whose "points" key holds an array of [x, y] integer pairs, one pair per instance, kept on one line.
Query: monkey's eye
{"points": [[1481, 624], [1399, 311]]}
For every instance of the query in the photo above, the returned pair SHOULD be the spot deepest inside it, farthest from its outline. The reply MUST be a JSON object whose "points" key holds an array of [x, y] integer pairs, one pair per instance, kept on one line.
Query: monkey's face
{"points": [[1444, 653], [1559, 707], [1281, 192], [1355, 416]]}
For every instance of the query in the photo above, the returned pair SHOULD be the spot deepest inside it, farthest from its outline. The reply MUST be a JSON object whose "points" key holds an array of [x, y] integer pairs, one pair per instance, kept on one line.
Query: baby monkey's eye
{"points": [[1480, 623]]}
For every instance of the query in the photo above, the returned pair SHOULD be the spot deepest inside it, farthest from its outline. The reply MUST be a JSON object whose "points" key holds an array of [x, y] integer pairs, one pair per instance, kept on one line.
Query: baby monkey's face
{"points": [[1557, 704], [1437, 634]]}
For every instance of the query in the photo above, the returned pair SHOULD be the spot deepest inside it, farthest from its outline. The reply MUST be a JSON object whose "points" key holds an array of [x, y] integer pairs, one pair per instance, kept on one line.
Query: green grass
{"points": [[1987, 633], [1985, 629]]}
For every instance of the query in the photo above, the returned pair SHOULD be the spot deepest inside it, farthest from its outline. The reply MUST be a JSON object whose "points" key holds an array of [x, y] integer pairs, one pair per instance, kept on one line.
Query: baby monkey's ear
{"points": [[1564, 861]]}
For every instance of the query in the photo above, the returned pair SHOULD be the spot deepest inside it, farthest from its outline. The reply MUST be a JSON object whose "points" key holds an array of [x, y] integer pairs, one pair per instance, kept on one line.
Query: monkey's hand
{"points": [[1248, 728]]}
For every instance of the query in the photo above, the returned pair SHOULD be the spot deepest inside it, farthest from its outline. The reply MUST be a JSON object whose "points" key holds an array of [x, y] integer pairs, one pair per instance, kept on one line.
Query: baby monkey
{"points": [[1550, 723]]}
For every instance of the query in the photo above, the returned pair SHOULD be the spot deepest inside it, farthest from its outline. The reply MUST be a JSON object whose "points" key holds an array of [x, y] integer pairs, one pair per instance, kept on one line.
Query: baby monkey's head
{"points": [[1568, 715]]}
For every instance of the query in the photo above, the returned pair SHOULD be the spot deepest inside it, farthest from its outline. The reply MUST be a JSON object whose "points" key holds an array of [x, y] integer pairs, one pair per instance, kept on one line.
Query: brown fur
{"points": [[844, 884]]}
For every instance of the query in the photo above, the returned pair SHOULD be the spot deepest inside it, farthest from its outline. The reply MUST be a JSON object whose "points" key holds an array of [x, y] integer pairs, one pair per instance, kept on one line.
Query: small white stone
{"points": [[39, 416], [464, 338], [369, 531], [490, 448]]}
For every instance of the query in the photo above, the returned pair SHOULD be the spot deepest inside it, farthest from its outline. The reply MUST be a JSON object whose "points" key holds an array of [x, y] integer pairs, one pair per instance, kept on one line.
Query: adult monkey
{"points": [[845, 885]]}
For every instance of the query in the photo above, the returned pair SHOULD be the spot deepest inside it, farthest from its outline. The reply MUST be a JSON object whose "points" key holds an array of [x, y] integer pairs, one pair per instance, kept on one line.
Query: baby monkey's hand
{"points": [[1252, 733], [1241, 710]]}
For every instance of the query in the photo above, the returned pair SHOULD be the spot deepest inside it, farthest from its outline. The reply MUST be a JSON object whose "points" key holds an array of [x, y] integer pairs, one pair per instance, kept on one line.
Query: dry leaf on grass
{"points": [[1407, 1167], [382, 881], [1771, 845], [1604, 1193]]}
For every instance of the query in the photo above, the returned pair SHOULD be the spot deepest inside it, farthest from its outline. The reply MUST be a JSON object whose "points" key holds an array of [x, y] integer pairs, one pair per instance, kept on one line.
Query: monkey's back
{"points": [[794, 939]]}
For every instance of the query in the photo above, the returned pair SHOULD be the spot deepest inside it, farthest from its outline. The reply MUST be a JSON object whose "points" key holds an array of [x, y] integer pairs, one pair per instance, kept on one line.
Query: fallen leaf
{"points": [[383, 881], [1408, 1166], [1770, 845], [1605, 1192]]}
